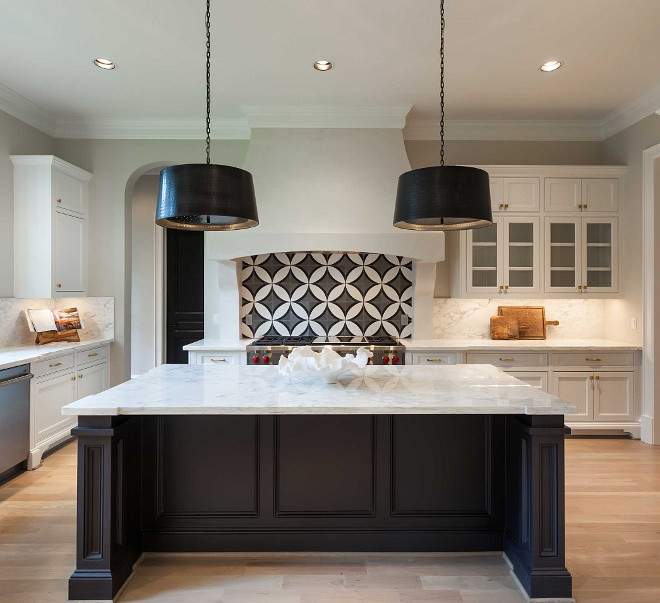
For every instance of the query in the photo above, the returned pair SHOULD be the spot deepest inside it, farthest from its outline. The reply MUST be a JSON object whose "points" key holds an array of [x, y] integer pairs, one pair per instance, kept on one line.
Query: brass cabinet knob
{"points": [[73, 378], [59, 200], [59, 285]]}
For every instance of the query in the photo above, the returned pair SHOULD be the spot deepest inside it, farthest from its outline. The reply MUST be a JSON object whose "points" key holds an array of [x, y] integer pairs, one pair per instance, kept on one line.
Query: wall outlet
{"points": [[633, 323], [248, 320], [404, 320]]}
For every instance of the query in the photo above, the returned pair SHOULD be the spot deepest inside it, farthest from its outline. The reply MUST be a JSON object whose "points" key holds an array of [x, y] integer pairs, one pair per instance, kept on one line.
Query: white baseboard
{"points": [[646, 423]]}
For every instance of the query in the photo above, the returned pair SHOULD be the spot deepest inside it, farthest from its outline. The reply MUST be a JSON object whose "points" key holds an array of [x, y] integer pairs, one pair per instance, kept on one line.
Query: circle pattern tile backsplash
{"points": [[324, 293]]}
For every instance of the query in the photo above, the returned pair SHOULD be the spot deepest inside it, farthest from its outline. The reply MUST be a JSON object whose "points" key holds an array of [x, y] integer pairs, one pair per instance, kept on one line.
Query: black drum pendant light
{"points": [[203, 196], [443, 197]]}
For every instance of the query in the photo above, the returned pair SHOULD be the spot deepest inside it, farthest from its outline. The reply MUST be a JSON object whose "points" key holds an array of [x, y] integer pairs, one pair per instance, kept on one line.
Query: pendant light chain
{"points": [[208, 81], [442, 82]]}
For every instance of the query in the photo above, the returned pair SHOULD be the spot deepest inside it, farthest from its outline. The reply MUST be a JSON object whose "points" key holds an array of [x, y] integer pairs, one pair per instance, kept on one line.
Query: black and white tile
{"points": [[326, 294]]}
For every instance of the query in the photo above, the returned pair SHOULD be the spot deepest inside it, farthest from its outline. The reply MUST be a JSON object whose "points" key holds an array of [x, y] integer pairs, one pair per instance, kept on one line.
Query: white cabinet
{"points": [[600, 396], [70, 253], [58, 382], [49, 394], [50, 227], [614, 396], [581, 194], [576, 388], [581, 255], [514, 194], [504, 257], [538, 380], [92, 380], [219, 357], [600, 194]]}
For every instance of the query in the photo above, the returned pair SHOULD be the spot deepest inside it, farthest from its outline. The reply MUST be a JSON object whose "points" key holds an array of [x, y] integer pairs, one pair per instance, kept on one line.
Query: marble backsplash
{"points": [[97, 313], [455, 318]]}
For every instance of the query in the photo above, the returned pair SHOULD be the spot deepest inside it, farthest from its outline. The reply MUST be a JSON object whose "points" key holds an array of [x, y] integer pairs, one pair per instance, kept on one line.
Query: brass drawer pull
{"points": [[593, 359], [218, 360], [54, 365], [507, 359], [92, 355], [434, 360]]}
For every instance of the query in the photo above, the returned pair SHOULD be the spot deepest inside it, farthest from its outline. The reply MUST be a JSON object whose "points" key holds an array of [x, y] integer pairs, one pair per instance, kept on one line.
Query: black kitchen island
{"points": [[209, 458]]}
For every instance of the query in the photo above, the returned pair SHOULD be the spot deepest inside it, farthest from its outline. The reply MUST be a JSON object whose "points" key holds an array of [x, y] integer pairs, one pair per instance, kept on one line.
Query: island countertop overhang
{"points": [[243, 390]]}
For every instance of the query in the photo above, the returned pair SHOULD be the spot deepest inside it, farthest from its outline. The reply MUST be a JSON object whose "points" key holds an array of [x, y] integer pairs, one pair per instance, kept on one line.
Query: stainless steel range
{"points": [[268, 350]]}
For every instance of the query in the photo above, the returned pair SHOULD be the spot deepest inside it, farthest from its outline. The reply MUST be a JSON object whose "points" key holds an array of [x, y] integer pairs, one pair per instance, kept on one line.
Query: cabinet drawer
{"points": [[95, 355], [507, 359], [219, 358], [536, 379], [594, 359], [440, 359], [52, 365]]}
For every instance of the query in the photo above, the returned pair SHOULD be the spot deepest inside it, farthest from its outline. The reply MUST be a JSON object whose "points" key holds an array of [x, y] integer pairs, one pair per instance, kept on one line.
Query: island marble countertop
{"points": [[248, 390], [26, 354]]}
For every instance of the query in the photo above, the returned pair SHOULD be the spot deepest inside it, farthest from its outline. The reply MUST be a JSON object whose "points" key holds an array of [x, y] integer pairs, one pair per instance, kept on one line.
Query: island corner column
{"points": [[108, 536], [534, 539]]}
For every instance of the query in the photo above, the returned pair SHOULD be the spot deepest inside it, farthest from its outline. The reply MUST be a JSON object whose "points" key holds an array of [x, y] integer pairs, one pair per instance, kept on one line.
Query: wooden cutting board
{"points": [[531, 320], [503, 327]]}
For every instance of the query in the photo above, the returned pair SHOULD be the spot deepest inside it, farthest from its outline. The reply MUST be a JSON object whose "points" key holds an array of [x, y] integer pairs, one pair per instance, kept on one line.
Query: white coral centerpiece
{"points": [[327, 363]]}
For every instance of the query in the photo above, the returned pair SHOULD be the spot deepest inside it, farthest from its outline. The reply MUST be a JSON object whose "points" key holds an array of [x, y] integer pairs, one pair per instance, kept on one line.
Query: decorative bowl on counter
{"points": [[328, 364]]}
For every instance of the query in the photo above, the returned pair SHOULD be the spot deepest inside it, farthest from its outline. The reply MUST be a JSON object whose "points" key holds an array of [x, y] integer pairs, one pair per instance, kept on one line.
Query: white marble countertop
{"points": [[245, 390], [454, 345], [484, 345], [219, 345], [26, 354]]}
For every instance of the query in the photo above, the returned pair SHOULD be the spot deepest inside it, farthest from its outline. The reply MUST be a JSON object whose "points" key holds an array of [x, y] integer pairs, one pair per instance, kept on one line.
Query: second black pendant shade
{"points": [[452, 197]]}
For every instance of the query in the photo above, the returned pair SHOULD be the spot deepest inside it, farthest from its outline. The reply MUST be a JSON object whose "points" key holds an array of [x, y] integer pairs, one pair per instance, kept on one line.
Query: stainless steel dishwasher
{"points": [[14, 416]]}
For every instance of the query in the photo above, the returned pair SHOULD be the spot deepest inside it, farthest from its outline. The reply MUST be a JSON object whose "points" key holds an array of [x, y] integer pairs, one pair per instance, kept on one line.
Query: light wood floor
{"points": [[613, 548]]}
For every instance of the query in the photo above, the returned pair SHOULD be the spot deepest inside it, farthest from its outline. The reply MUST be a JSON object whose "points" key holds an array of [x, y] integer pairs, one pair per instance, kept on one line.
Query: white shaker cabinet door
{"points": [[563, 194], [70, 260], [520, 194], [93, 380], [69, 193], [49, 395], [576, 388], [614, 396], [600, 194]]}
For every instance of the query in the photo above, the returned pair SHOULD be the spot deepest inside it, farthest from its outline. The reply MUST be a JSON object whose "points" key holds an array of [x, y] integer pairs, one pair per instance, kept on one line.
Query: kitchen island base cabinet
{"points": [[359, 482]]}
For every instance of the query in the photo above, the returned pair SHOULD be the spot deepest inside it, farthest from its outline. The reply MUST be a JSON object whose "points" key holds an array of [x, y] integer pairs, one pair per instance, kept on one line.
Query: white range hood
{"points": [[328, 189]]}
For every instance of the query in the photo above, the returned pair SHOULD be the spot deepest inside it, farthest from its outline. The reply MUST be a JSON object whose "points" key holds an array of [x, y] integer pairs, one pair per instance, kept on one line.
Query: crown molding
{"points": [[315, 116], [151, 129], [24, 109], [630, 113], [484, 129]]}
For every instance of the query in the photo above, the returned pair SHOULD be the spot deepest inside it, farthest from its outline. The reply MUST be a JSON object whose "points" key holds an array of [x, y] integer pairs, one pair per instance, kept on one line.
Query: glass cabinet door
{"points": [[521, 255], [483, 259], [563, 268], [599, 242]]}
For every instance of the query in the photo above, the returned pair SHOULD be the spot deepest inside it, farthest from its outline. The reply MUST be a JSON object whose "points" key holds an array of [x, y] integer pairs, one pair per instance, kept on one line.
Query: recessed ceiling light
{"points": [[104, 63], [323, 65], [551, 66]]}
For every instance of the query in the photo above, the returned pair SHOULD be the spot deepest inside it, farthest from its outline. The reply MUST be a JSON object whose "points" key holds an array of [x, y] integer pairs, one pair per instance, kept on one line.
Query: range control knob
{"points": [[255, 359], [265, 359], [395, 360], [370, 361], [386, 359]]}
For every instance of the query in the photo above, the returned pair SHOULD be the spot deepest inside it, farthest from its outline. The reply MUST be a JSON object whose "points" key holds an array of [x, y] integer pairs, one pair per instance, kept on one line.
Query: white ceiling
{"points": [[385, 52]]}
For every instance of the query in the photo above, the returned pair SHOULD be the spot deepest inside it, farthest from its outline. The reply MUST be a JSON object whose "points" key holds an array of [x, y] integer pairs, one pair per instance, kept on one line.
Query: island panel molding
{"points": [[324, 293]]}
